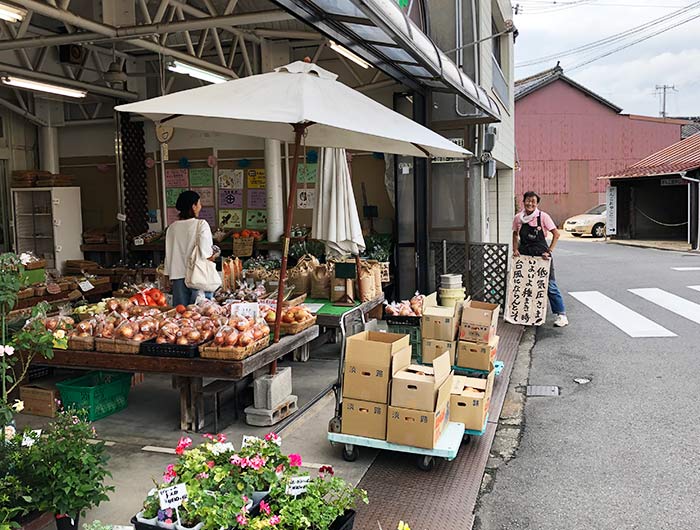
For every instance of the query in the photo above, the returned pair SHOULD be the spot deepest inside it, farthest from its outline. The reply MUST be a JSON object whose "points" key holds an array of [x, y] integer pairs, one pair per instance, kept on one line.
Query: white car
{"points": [[592, 222]]}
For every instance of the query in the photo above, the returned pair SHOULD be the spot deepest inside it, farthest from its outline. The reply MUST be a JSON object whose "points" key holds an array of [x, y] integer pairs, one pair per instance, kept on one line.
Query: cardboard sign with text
{"points": [[526, 301], [173, 496]]}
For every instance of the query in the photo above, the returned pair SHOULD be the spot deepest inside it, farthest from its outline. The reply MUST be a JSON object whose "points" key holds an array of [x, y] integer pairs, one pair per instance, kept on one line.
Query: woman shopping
{"points": [[182, 238]]}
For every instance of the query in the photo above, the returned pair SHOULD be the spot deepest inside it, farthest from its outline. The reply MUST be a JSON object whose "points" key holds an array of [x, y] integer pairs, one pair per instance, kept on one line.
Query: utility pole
{"points": [[662, 89]]}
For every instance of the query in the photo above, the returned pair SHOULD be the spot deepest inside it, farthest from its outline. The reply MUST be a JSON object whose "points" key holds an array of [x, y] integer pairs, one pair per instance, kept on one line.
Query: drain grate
{"points": [[542, 391]]}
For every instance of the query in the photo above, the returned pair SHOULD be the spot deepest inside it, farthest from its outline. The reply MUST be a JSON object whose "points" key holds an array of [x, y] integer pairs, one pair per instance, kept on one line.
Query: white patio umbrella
{"points": [[295, 101], [336, 221]]}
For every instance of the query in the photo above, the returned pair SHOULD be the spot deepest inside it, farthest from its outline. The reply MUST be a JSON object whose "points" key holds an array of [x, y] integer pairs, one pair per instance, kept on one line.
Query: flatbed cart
{"points": [[469, 433], [497, 366]]}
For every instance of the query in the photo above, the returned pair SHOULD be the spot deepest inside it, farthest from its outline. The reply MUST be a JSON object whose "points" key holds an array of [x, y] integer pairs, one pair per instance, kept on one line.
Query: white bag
{"points": [[201, 273]]}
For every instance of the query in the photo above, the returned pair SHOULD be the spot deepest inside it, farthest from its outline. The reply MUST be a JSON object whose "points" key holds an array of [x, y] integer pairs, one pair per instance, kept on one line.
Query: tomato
{"points": [[245, 233], [180, 308], [136, 300], [236, 235]]}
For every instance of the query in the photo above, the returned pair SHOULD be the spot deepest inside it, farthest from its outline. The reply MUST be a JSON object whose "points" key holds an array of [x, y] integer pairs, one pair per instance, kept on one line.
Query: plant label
{"points": [[29, 438], [173, 496], [297, 485], [86, 286], [248, 440], [251, 309], [138, 241]]}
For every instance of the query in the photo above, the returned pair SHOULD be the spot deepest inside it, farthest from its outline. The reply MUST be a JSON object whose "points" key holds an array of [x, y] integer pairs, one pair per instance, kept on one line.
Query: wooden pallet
{"points": [[233, 353]]}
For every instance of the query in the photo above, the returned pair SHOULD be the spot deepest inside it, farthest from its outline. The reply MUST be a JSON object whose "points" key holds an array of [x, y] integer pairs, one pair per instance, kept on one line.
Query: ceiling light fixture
{"points": [[10, 13], [30, 84], [350, 55], [194, 71]]}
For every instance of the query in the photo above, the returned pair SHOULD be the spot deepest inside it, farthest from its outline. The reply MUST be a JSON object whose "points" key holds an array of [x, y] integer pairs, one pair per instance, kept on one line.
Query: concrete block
{"points": [[271, 390], [267, 417]]}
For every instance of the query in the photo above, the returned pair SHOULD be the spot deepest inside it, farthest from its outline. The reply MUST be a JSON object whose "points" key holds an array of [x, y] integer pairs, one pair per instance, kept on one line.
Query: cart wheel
{"points": [[466, 439], [426, 463], [334, 425], [350, 453]]}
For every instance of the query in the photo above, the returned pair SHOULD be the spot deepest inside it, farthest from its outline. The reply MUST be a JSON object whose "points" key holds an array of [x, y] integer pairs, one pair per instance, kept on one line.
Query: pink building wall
{"points": [[565, 139]]}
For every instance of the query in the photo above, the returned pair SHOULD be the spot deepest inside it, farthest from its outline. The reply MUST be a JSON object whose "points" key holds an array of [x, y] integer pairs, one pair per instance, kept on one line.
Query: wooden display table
{"points": [[329, 316], [92, 295], [188, 374]]}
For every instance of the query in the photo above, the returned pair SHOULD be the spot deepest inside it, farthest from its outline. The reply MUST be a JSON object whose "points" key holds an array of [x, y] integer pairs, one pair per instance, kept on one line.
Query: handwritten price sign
{"points": [[173, 496], [297, 485]]}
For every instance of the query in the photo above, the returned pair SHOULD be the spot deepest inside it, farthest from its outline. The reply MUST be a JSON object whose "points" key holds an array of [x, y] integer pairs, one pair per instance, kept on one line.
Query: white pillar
{"points": [[48, 149], [275, 190]]}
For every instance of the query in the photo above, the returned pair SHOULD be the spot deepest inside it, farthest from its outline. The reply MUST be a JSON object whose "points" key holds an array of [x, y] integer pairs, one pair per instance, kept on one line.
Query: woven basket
{"points": [[39, 264], [297, 327], [243, 247], [105, 345], [235, 353], [81, 343]]}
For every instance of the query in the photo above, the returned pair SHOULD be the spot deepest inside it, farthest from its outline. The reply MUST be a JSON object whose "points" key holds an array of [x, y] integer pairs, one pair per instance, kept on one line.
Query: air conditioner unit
{"points": [[71, 54]]}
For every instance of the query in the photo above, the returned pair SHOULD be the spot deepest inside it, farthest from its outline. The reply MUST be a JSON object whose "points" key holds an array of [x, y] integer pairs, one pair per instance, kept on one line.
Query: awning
{"points": [[381, 33]]}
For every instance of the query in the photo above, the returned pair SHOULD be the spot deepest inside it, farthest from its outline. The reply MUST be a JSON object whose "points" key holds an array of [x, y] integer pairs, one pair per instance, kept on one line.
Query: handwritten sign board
{"points": [[230, 218], [245, 310], [611, 211], [206, 195], [230, 198], [297, 485], [306, 199], [173, 496], [257, 199], [256, 219], [209, 215], [307, 173], [231, 179], [176, 178], [201, 177], [526, 302], [256, 178], [171, 195]]}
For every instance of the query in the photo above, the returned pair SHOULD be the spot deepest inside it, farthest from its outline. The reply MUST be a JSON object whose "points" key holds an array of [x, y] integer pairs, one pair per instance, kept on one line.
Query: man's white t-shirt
{"points": [[179, 243]]}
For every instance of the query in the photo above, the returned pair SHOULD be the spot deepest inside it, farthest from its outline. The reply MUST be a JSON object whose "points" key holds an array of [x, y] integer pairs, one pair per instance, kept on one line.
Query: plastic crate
{"points": [[152, 348], [415, 337], [99, 393]]}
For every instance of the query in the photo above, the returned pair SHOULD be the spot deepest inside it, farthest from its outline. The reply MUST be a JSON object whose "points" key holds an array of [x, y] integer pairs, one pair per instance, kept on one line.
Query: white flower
{"points": [[60, 334], [10, 432], [9, 350], [25, 258], [221, 448], [18, 406]]}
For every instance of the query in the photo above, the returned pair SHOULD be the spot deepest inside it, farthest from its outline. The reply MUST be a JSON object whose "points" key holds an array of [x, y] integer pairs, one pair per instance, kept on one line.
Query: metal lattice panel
{"points": [[488, 272], [456, 254], [135, 186]]}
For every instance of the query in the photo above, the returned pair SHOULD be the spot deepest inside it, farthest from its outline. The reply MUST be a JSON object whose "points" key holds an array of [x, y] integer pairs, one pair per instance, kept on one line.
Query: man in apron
{"points": [[530, 230]]}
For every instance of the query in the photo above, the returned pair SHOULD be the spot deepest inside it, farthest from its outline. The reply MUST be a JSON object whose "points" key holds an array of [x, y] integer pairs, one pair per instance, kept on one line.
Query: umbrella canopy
{"points": [[265, 105], [336, 221]]}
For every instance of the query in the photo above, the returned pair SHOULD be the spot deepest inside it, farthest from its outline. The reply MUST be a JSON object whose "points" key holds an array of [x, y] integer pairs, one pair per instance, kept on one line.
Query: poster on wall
{"points": [[256, 219], [257, 199], [171, 195], [176, 178], [306, 199], [230, 198], [526, 300], [206, 195], [172, 215], [307, 174], [201, 177], [231, 219], [231, 179], [209, 215], [256, 178]]}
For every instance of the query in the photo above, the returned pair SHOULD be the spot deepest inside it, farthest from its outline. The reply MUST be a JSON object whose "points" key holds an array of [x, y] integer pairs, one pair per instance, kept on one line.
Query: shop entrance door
{"points": [[5, 239]]}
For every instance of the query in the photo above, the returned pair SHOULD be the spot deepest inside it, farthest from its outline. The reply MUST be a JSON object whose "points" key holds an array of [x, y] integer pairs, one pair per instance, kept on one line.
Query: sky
{"points": [[628, 77]]}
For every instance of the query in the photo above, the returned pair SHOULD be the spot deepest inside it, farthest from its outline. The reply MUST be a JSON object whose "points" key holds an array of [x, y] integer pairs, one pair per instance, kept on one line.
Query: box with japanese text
{"points": [[417, 428], [479, 321], [438, 322], [432, 348], [470, 400], [364, 418], [477, 355], [421, 387]]}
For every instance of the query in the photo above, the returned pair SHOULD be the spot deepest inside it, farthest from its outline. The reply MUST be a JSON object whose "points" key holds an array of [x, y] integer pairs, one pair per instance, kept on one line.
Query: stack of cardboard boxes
{"points": [[439, 328]]}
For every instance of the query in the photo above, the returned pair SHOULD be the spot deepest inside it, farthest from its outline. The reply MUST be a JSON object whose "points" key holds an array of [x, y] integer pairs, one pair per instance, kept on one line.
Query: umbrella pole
{"points": [[299, 129]]}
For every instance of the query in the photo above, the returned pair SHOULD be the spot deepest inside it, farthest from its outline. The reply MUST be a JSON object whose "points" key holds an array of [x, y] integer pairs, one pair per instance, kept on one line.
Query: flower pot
{"points": [[198, 526], [167, 526], [344, 522], [65, 522], [145, 520]]}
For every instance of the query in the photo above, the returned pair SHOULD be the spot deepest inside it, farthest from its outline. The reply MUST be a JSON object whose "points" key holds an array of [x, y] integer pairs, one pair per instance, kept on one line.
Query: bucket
{"points": [[450, 281], [450, 297]]}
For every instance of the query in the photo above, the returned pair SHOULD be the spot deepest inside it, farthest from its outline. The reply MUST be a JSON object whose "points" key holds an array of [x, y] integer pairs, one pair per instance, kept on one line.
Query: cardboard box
{"points": [[417, 428], [364, 418], [39, 398], [470, 400], [371, 358], [419, 387], [434, 348], [477, 355], [438, 322], [479, 321]]}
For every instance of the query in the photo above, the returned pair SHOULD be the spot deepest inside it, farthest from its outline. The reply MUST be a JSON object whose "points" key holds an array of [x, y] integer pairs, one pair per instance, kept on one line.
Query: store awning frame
{"points": [[380, 33]]}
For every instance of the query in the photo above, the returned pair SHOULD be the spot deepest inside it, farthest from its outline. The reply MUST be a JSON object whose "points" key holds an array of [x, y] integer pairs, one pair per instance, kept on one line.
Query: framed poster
{"points": [[256, 178], [230, 198], [256, 219], [257, 199], [206, 195], [230, 218], [307, 174], [231, 179], [171, 195], [201, 177], [176, 178]]}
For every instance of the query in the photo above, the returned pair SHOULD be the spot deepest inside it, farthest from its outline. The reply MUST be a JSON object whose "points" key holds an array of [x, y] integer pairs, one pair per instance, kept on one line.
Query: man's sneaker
{"points": [[561, 321]]}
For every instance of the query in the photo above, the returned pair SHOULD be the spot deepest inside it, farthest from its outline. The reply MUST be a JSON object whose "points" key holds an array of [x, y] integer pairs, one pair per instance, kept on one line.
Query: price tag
{"points": [[248, 309], [138, 241], [173, 496], [297, 485], [248, 440], [29, 438], [86, 286], [121, 217]]}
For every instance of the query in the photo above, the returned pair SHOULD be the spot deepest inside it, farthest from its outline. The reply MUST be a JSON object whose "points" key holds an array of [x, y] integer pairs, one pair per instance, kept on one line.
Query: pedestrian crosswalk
{"points": [[634, 323]]}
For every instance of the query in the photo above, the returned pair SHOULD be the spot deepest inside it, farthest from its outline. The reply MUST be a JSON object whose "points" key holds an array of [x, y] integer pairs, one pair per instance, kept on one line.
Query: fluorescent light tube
{"points": [[347, 53], [11, 14], [30, 84], [194, 71]]}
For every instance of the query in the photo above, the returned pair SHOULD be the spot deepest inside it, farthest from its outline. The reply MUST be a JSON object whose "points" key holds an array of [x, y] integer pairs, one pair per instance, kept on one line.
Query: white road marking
{"points": [[685, 269], [631, 322], [694, 287], [156, 449], [676, 304]]}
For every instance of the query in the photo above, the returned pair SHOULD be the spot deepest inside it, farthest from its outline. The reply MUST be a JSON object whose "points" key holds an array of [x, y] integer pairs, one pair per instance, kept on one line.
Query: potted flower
{"points": [[68, 469], [260, 464], [149, 513], [189, 518]]}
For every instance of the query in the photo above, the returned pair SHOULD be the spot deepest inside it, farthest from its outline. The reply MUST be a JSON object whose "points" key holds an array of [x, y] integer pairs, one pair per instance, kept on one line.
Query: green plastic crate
{"points": [[415, 337], [99, 393]]}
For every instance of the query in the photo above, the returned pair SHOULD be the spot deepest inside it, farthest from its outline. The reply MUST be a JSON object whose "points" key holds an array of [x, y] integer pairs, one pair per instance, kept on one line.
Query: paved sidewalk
{"points": [[680, 246]]}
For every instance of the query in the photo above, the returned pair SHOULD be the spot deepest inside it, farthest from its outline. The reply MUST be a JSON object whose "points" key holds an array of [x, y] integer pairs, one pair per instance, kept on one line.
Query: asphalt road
{"points": [[622, 452]]}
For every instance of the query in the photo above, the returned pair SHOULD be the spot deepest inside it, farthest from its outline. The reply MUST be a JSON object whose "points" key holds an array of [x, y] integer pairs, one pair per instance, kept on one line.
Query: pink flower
{"points": [[201, 476], [279, 470], [209, 437], [295, 460], [236, 460], [170, 474], [275, 519], [241, 519], [184, 443], [221, 437], [245, 499], [168, 521], [326, 469], [272, 437], [264, 508], [257, 462], [210, 464], [168, 512]]}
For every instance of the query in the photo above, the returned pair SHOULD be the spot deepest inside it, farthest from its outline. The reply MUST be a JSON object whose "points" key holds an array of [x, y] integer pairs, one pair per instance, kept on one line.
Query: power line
{"points": [[661, 91]]}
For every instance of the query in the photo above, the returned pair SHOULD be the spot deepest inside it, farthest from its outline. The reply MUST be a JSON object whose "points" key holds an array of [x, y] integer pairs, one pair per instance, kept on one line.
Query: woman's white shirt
{"points": [[179, 242]]}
